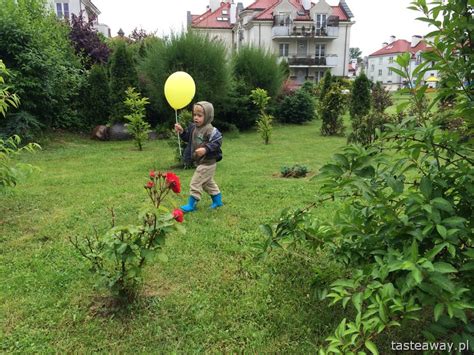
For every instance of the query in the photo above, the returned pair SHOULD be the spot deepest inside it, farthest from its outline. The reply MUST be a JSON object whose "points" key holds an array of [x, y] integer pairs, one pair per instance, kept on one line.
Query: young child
{"points": [[204, 148]]}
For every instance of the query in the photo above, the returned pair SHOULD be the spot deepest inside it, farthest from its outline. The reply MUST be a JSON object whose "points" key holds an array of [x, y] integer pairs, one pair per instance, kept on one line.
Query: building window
{"points": [[321, 21], [380, 60], [380, 72], [320, 50], [389, 72], [372, 67], [66, 10], [319, 75], [390, 59], [62, 10], [59, 9], [284, 49], [418, 59]]}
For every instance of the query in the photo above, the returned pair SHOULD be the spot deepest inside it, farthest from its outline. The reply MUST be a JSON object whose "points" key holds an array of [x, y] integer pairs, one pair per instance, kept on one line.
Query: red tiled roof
{"points": [[338, 11], [209, 19], [269, 5], [401, 46]]}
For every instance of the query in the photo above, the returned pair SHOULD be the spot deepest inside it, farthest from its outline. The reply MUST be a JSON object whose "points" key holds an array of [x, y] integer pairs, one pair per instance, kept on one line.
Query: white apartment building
{"points": [[311, 37], [64, 9], [379, 62]]}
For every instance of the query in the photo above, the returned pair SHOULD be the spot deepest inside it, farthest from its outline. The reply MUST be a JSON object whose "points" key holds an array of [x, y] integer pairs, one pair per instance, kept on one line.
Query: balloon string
{"points": [[179, 140]]}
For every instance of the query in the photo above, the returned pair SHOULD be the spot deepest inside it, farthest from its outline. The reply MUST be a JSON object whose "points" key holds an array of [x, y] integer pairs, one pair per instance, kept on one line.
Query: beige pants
{"points": [[203, 179]]}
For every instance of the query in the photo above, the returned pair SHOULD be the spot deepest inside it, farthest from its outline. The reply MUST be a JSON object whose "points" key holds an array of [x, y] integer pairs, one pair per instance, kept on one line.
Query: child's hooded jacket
{"points": [[206, 136]]}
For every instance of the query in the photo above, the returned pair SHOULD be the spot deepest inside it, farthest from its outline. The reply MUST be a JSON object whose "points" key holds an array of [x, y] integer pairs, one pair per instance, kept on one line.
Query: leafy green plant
{"points": [[332, 108], [260, 99], [47, 73], [119, 255], [404, 224], [136, 125], [298, 107], [6, 98], [122, 76], [381, 98], [296, 171], [360, 97], [10, 172]]}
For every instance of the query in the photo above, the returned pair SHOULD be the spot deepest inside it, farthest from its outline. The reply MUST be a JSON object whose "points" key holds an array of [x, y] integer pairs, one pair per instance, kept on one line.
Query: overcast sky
{"points": [[376, 20]]}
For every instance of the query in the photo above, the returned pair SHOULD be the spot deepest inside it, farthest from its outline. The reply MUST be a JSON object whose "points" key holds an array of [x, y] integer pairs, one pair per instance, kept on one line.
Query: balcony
{"points": [[329, 32], [312, 61]]}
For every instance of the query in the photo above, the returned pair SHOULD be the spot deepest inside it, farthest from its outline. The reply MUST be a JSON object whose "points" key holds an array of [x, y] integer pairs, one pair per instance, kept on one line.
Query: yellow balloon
{"points": [[179, 89]]}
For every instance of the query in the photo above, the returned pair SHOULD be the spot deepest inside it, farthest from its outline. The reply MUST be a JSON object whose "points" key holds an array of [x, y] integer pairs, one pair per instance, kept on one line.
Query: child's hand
{"points": [[178, 128], [200, 152]]}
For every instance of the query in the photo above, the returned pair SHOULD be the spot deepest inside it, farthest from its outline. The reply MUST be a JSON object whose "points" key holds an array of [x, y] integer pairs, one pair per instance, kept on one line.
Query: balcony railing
{"points": [[303, 31], [327, 61]]}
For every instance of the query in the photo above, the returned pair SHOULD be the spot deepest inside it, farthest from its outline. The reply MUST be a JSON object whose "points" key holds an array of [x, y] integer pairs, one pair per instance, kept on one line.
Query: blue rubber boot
{"points": [[191, 206], [217, 201]]}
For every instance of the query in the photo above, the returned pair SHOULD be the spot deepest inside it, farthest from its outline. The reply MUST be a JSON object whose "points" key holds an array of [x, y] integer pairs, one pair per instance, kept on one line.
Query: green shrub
{"points": [[381, 98], [296, 171], [122, 76], [332, 108], [136, 125], [11, 172], [35, 46], [95, 103], [119, 255], [298, 107], [360, 97], [404, 225], [258, 69], [184, 52], [260, 99]]}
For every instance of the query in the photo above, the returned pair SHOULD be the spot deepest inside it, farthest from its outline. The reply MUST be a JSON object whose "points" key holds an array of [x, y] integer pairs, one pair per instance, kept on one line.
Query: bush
{"points": [[258, 69], [297, 108], [381, 98], [264, 123], [95, 103], [296, 171], [366, 128], [87, 42], [122, 76], [360, 97], [332, 108], [202, 58], [119, 255], [136, 126], [46, 72]]}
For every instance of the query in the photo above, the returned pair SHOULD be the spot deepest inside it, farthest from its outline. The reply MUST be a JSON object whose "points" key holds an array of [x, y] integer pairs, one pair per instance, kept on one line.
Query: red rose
{"points": [[178, 215], [173, 182], [149, 185], [152, 173]]}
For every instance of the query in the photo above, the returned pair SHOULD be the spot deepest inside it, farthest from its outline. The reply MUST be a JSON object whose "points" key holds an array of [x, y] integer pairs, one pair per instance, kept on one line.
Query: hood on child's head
{"points": [[208, 111]]}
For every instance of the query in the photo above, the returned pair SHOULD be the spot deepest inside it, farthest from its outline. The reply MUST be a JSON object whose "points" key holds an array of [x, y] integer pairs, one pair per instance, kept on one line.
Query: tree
{"points": [[332, 108], [95, 103], [260, 99], [381, 98], [360, 97], [86, 41], [199, 56], [355, 53], [136, 125], [298, 108], [122, 76], [35, 46]]}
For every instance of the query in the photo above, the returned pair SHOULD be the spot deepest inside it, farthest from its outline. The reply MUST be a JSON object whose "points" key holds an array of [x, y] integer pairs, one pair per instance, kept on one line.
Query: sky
{"points": [[375, 20]]}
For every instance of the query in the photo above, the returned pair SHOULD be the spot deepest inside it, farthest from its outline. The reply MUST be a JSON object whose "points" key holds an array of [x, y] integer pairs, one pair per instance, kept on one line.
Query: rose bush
{"points": [[119, 255]]}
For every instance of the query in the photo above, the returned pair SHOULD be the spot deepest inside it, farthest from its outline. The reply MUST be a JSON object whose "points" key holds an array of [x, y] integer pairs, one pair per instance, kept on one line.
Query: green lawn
{"points": [[210, 296]]}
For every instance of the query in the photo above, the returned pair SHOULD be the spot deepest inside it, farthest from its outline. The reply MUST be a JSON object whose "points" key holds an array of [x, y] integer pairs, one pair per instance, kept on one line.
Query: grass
{"points": [[212, 295]]}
